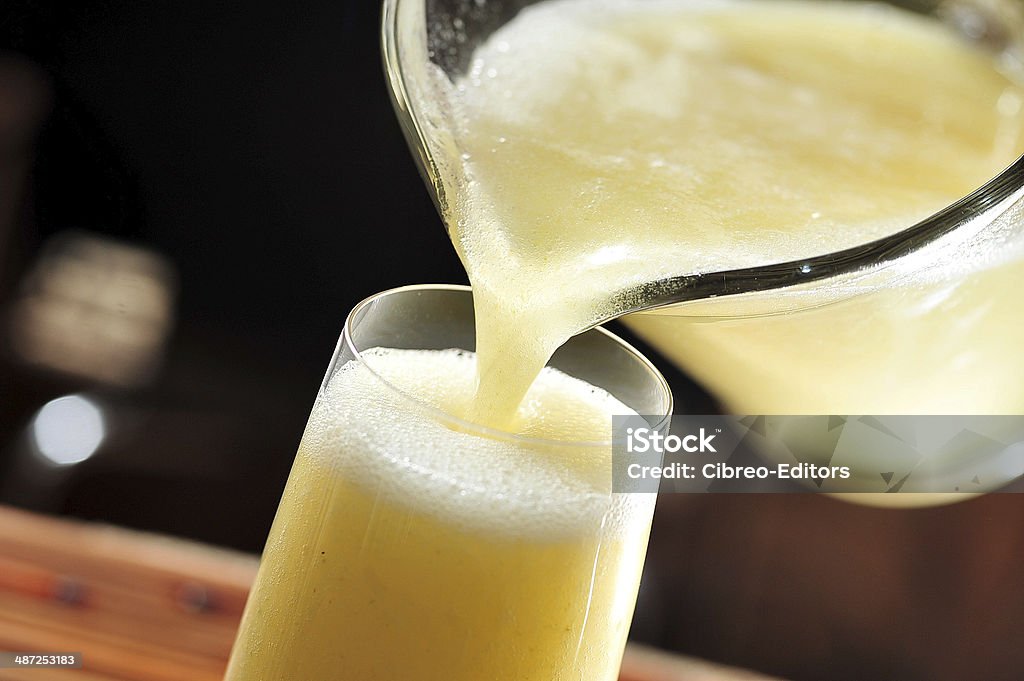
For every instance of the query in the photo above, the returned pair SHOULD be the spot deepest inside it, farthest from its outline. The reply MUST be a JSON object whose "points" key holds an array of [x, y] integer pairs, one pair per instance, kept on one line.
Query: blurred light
{"points": [[68, 429], [95, 308]]}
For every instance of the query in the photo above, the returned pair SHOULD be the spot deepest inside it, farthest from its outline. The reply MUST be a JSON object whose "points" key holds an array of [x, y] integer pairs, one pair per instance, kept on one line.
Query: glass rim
{"points": [[688, 288], [471, 427]]}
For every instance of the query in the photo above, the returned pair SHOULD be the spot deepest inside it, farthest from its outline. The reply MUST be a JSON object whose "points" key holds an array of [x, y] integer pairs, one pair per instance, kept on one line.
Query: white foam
{"points": [[394, 444]]}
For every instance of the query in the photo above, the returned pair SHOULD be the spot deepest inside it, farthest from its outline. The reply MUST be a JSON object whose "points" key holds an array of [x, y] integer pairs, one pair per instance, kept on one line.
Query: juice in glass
{"points": [[412, 544]]}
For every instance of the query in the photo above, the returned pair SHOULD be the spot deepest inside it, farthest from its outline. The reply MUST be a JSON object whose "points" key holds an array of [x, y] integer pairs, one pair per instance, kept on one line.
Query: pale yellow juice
{"points": [[939, 343], [606, 145], [405, 549], [593, 148]]}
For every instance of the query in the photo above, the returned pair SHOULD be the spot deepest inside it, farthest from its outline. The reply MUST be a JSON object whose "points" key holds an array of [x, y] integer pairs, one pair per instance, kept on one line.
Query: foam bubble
{"points": [[396, 446]]}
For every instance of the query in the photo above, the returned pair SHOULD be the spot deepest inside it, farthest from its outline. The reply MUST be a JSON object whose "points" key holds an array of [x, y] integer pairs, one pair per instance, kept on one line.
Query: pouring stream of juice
{"points": [[593, 148]]}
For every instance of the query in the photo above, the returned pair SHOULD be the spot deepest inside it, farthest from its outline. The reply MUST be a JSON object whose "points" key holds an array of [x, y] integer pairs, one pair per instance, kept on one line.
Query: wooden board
{"points": [[138, 607]]}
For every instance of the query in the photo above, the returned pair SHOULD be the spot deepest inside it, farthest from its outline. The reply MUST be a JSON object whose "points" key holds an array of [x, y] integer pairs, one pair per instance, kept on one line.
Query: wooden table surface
{"points": [[141, 607]]}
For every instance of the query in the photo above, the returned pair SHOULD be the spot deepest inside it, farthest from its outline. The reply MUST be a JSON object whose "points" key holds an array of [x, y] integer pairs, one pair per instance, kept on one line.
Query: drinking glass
{"points": [[411, 544]]}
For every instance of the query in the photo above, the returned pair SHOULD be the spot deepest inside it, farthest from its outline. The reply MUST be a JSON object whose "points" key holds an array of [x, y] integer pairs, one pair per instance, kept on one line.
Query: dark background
{"points": [[253, 146]]}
